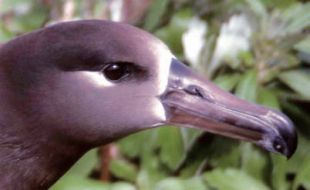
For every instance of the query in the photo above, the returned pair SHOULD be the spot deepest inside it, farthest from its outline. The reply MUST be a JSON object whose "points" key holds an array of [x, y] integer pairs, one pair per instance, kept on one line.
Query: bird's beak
{"points": [[191, 100]]}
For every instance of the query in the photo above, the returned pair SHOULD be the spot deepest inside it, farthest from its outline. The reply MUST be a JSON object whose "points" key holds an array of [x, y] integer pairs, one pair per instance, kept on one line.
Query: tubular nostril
{"points": [[194, 90], [197, 91]]}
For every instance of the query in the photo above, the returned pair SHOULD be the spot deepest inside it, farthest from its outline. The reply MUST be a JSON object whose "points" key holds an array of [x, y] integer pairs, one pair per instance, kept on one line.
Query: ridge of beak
{"points": [[193, 101]]}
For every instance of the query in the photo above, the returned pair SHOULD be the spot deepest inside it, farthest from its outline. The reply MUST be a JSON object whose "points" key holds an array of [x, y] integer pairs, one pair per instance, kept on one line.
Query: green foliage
{"points": [[228, 81], [72, 182], [85, 164], [155, 14], [231, 179], [176, 183], [247, 87], [123, 170], [297, 80], [273, 71]]}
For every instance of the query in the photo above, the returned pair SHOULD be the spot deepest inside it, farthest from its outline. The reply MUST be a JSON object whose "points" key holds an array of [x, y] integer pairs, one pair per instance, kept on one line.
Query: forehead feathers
{"points": [[75, 45]]}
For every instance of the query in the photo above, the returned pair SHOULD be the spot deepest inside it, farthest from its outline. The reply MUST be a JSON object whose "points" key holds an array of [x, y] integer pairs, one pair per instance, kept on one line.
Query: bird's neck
{"points": [[32, 155], [34, 163]]}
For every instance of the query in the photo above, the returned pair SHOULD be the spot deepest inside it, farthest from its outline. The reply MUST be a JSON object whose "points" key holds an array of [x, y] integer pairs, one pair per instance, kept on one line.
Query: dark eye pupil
{"points": [[115, 71]]}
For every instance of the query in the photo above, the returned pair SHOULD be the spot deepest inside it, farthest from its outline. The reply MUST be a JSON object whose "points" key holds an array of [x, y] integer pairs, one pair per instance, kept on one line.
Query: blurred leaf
{"points": [[196, 155], [298, 16], [170, 184], [178, 184], [279, 172], [123, 169], [85, 164], [268, 98], [299, 116], [132, 147], [278, 3], [258, 8], [32, 20], [27, 20], [122, 186], [73, 182], [224, 152], [191, 162], [5, 34], [227, 81], [171, 146], [230, 159], [247, 58], [149, 176], [144, 180], [298, 80], [151, 171], [18, 6], [232, 179], [189, 135], [172, 33], [193, 168], [154, 16], [304, 45], [195, 183], [303, 175], [284, 61], [143, 145], [99, 8], [302, 155], [304, 57], [254, 162], [210, 150], [247, 87]]}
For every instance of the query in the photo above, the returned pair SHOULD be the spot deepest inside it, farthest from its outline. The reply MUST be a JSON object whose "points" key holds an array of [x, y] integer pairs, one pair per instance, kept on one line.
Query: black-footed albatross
{"points": [[72, 86]]}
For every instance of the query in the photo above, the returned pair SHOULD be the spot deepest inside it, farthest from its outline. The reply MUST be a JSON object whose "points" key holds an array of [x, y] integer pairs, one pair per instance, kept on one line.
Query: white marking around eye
{"points": [[164, 58], [163, 62], [159, 113], [97, 78]]}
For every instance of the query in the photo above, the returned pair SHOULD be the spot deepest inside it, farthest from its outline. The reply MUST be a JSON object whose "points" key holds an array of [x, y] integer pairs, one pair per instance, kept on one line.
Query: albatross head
{"points": [[90, 82]]}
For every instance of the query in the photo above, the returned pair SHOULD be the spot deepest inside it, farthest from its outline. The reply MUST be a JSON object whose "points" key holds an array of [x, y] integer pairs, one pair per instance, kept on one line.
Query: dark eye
{"points": [[116, 71]]}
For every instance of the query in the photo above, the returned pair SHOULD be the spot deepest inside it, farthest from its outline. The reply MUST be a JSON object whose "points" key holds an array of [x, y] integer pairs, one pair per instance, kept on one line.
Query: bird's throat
{"points": [[34, 166]]}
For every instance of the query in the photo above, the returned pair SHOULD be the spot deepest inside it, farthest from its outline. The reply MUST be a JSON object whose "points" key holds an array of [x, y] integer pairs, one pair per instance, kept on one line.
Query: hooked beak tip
{"points": [[287, 132]]}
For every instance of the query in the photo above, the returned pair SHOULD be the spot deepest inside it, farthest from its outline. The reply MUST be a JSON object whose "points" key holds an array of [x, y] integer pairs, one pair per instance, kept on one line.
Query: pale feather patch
{"points": [[163, 63], [164, 58], [96, 78], [159, 112]]}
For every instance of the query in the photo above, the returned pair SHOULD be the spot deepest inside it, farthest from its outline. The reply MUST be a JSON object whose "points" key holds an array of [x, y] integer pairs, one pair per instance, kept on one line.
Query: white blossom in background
{"points": [[193, 40], [116, 7], [68, 10], [22, 8], [234, 37]]}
